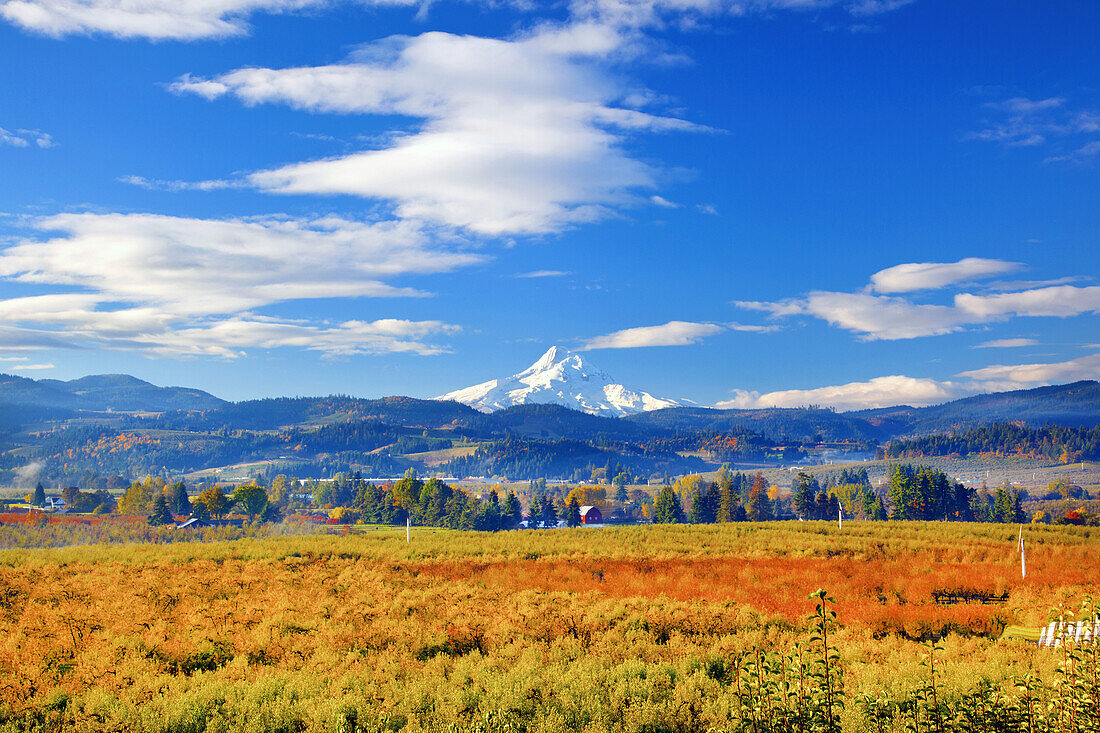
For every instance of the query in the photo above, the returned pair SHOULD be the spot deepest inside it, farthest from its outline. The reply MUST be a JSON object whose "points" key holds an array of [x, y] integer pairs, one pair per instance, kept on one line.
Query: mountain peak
{"points": [[561, 377], [552, 356]]}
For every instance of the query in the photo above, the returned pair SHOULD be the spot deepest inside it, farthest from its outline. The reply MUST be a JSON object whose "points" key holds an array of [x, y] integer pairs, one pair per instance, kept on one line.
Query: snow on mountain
{"points": [[559, 377]]}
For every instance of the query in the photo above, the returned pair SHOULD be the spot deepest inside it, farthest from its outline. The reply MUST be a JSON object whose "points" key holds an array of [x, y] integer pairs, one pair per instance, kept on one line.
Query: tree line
{"points": [[1056, 442]]}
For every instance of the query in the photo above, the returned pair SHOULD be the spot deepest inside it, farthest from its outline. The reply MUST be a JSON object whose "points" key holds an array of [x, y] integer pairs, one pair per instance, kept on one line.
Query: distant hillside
{"points": [[784, 424], [554, 422], [1053, 442], [1076, 404], [103, 393], [118, 424], [278, 412]]}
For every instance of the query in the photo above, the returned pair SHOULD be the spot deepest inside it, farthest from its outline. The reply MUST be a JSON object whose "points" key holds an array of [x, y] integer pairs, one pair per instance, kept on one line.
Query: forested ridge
{"points": [[322, 436], [1056, 442]]}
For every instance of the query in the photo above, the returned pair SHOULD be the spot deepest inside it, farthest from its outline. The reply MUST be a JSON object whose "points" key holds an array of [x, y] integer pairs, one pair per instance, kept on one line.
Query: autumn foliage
{"points": [[638, 628]]}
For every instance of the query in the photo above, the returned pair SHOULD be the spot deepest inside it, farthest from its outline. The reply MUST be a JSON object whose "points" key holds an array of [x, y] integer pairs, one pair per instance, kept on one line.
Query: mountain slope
{"points": [[103, 393], [555, 422], [779, 423], [1076, 404], [279, 412], [559, 377]]}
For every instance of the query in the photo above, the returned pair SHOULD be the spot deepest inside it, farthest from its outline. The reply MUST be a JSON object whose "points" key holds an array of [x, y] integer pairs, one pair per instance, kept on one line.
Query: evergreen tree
{"points": [[666, 508], [176, 494], [486, 516], [572, 513], [726, 501], [549, 512], [39, 495], [760, 507], [805, 492], [1002, 506], [512, 513], [160, 514], [698, 513], [878, 512], [868, 498], [901, 492]]}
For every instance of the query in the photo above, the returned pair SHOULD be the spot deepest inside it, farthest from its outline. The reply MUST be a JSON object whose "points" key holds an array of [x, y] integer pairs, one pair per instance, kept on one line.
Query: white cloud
{"points": [[898, 389], [1012, 343], [881, 317], [232, 336], [30, 367], [913, 276], [1032, 284], [1025, 122], [519, 136], [157, 184], [1016, 376], [690, 13], [878, 392], [25, 138], [1062, 300], [673, 333], [182, 20], [189, 20], [1023, 105], [1083, 154], [543, 273], [179, 285], [748, 328], [877, 7]]}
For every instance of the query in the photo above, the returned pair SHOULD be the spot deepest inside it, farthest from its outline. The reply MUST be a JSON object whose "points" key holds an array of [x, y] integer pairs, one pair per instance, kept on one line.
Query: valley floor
{"points": [[656, 628]]}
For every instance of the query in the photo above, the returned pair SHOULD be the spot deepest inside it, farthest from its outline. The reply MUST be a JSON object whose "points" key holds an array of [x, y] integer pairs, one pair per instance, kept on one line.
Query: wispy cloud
{"points": [[157, 184], [673, 333], [543, 273], [191, 20], [1013, 376], [884, 317], [1021, 122], [523, 135], [1013, 343], [184, 20], [898, 389], [885, 391], [187, 286], [913, 276], [1085, 153], [26, 138]]}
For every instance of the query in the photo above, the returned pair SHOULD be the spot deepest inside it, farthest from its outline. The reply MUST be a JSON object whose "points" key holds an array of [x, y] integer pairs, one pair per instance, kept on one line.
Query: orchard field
{"points": [[645, 628]]}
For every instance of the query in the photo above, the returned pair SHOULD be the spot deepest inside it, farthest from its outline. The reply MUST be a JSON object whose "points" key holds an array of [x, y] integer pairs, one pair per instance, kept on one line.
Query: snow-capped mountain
{"points": [[560, 377]]}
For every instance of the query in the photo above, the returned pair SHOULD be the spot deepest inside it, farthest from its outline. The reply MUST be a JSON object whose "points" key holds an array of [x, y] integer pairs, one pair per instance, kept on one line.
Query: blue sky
{"points": [[845, 202]]}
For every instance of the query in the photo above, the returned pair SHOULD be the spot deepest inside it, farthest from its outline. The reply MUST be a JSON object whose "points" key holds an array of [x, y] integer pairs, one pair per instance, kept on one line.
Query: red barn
{"points": [[591, 515]]}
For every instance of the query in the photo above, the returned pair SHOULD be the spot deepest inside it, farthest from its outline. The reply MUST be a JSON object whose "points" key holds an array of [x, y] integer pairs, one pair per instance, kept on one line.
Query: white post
{"points": [[408, 528], [840, 518], [1023, 560]]}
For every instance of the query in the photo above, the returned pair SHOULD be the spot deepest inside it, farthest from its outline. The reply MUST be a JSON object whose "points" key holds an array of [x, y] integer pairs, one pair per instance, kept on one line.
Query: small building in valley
{"points": [[591, 515]]}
